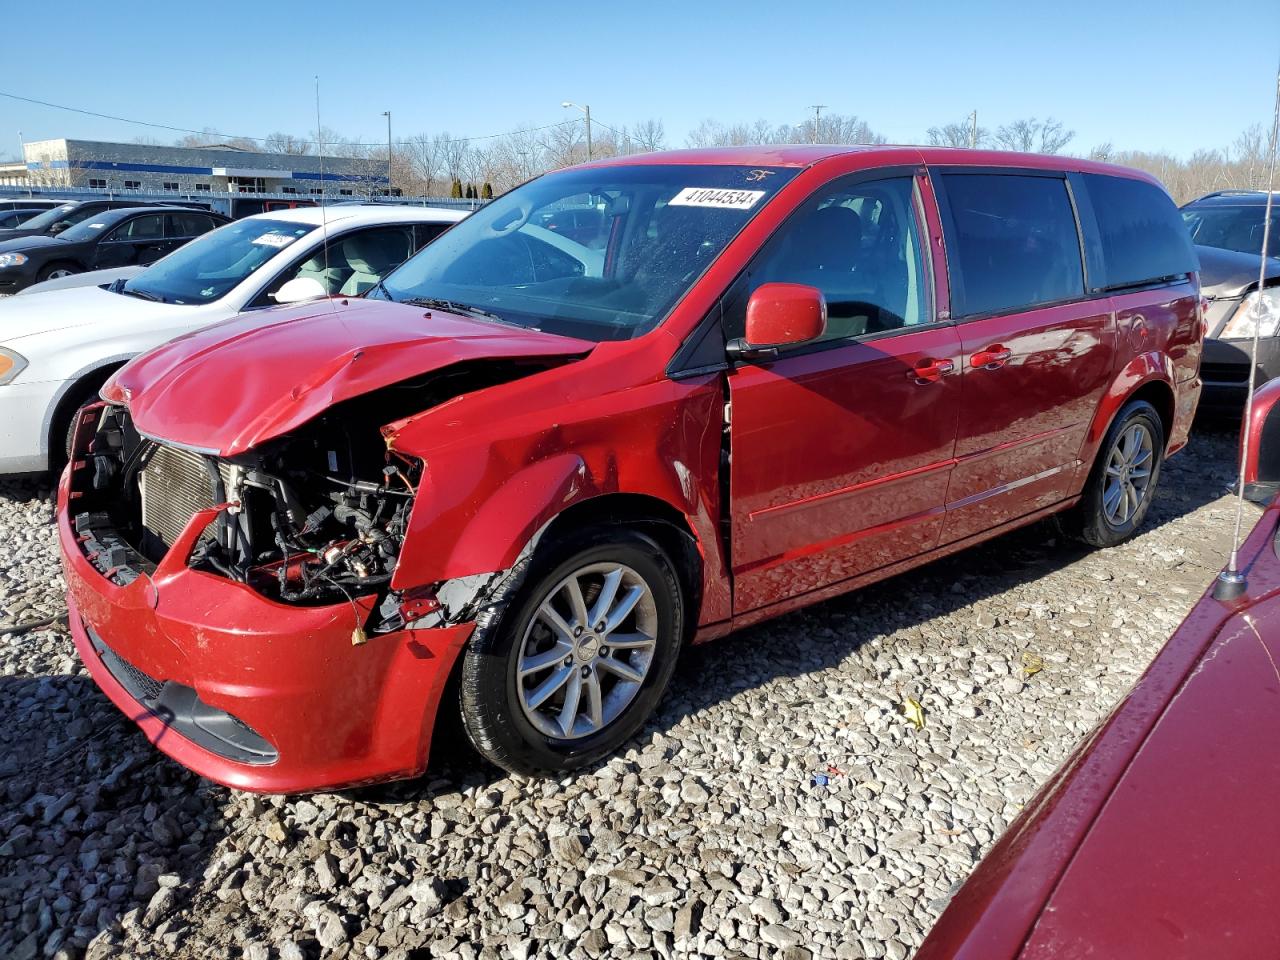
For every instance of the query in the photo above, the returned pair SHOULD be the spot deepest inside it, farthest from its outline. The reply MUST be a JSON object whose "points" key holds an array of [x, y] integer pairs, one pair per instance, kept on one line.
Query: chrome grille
{"points": [[173, 486]]}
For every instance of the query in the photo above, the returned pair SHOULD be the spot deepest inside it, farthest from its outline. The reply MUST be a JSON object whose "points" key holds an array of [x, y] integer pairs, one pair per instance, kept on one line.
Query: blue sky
{"points": [[1176, 75]]}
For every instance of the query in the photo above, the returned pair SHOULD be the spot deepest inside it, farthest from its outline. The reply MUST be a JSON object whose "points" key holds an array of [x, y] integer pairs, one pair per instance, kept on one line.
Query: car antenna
{"points": [[324, 216], [1232, 582]]}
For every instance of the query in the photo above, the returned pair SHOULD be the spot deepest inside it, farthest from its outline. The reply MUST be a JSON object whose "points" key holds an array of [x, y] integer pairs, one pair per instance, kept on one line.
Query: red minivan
{"points": [[525, 470]]}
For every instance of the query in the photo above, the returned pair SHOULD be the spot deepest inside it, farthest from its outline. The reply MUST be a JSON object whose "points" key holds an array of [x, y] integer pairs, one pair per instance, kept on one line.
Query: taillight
{"points": [[1204, 317]]}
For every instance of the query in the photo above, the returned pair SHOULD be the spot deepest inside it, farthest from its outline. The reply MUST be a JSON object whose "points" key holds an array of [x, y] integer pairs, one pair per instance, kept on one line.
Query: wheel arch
{"points": [[1149, 377], [668, 527], [93, 375]]}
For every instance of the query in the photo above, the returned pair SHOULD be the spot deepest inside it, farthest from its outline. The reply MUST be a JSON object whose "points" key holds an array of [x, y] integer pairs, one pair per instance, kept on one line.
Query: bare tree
{"points": [[280, 142], [957, 135], [1033, 136], [649, 136], [424, 156], [833, 128]]}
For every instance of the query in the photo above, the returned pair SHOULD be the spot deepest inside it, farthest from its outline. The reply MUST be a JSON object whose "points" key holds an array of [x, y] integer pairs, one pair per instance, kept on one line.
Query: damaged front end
{"points": [[315, 517]]}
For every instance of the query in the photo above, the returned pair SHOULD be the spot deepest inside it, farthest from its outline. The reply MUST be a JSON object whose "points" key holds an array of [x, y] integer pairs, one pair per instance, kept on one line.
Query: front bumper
{"points": [[251, 671], [1225, 366], [13, 279], [26, 415]]}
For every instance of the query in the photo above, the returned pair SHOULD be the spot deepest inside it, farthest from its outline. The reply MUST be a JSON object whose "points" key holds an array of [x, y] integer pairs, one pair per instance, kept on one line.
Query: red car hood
{"points": [[1182, 861], [229, 387]]}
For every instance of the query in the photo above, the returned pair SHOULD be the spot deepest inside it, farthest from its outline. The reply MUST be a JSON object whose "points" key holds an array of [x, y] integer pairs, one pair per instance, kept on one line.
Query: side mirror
{"points": [[299, 289], [780, 315]]}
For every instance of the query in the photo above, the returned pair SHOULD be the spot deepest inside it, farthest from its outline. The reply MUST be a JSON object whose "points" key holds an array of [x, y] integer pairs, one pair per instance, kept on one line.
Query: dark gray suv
{"points": [[1227, 229]]}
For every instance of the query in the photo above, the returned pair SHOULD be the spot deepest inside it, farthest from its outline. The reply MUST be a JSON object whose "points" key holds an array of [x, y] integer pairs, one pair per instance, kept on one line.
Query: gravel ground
{"points": [[706, 838]]}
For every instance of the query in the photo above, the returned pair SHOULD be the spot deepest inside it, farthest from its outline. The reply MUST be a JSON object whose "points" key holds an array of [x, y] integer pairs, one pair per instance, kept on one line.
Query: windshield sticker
{"points": [[715, 197], [274, 240], [96, 226]]}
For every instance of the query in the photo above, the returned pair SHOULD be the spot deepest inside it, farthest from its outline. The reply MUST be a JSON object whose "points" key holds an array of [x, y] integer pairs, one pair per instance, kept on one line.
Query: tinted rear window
{"points": [[1015, 243], [1143, 236]]}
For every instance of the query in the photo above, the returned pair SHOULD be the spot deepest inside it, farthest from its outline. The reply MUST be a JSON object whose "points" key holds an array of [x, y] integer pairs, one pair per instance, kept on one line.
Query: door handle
{"points": [[992, 358], [930, 370]]}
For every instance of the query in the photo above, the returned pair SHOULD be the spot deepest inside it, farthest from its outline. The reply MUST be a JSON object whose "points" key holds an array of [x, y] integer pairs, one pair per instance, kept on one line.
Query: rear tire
{"points": [[1123, 480], [544, 690]]}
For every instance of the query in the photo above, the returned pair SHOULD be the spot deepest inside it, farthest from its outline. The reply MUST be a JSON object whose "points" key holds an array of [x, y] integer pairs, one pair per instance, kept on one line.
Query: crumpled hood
{"points": [[1228, 274], [1181, 862], [229, 387], [28, 242]]}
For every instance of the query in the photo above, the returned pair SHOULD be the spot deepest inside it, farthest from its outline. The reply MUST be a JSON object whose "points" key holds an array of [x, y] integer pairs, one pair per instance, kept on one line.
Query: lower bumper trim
{"points": [[180, 708]]}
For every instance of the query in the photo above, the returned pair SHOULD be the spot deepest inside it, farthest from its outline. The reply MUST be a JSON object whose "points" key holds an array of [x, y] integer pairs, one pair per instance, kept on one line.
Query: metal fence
{"points": [[222, 202]]}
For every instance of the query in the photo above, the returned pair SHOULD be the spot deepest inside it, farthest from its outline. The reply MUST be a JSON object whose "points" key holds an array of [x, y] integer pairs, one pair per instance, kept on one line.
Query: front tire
{"points": [[580, 656], [55, 271], [1123, 480]]}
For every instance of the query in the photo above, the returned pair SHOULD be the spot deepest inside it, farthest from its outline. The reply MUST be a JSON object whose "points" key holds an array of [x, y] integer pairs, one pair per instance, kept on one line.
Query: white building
{"points": [[216, 168]]}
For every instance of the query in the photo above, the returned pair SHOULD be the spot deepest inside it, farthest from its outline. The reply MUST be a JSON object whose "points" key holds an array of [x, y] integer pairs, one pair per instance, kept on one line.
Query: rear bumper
{"points": [[205, 666], [1224, 368]]}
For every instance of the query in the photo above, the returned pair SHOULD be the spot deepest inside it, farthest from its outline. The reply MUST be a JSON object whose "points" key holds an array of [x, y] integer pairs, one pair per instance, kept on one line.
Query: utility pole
{"points": [[22, 158], [817, 119], [387, 114], [973, 130], [586, 112]]}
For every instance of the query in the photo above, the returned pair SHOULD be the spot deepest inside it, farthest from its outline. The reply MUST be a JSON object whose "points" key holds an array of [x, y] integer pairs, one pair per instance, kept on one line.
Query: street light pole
{"points": [[586, 111], [817, 118], [973, 130], [387, 114]]}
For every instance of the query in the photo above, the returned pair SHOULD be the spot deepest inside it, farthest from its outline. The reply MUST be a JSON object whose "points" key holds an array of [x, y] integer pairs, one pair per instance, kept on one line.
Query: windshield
{"points": [[44, 221], [86, 229], [597, 253], [1233, 228], [211, 265]]}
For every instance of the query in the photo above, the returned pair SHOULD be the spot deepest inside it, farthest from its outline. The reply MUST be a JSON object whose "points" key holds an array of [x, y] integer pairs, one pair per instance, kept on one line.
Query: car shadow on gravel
{"points": [[835, 628], [98, 831]]}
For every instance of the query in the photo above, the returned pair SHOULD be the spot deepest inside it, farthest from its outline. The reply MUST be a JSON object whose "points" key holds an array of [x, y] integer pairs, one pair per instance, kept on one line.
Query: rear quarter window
{"points": [[1144, 238], [1012, 242]]}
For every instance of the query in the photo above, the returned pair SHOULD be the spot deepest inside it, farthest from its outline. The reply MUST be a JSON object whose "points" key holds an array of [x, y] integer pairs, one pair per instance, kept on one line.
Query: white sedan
{"points": [[58, 347]]}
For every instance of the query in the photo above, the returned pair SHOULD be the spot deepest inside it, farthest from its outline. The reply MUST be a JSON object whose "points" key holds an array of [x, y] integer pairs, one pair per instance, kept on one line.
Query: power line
{"points": [[228, 136]]}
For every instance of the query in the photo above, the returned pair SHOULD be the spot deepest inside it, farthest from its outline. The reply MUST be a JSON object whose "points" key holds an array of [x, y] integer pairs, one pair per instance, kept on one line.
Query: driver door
{"points": [[138, 240], [842, 448]]}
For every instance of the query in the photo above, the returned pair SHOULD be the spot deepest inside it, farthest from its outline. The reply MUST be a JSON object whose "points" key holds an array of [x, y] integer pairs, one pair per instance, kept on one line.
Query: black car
{"points": [[59, 218], [1227, 229], [14, 218], [30, 203], [112, 238]]}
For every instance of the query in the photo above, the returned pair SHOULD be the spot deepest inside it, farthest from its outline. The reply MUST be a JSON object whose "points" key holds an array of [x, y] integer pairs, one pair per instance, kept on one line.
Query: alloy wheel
{"points": [[1128, 474], [587, 651]]}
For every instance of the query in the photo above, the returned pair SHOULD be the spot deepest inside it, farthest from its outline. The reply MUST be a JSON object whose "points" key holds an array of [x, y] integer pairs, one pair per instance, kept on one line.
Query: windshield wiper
{"points": [[140, 294], [464, 309]]}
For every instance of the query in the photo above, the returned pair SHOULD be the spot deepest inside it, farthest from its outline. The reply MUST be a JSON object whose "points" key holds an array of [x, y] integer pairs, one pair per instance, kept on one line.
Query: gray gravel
{"points": [[705, 838]]}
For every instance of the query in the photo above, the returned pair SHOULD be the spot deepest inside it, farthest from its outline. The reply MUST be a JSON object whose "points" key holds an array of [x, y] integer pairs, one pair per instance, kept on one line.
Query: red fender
{"points": [[484, 497], [1143, 369]]}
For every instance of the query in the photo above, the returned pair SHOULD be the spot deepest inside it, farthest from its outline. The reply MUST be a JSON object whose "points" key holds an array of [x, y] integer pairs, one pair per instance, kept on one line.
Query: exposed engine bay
{"points": [[317, 516]]}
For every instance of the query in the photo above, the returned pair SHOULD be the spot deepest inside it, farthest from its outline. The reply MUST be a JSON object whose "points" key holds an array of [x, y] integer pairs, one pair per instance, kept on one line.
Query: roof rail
{"points": [[1235, 193]]}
